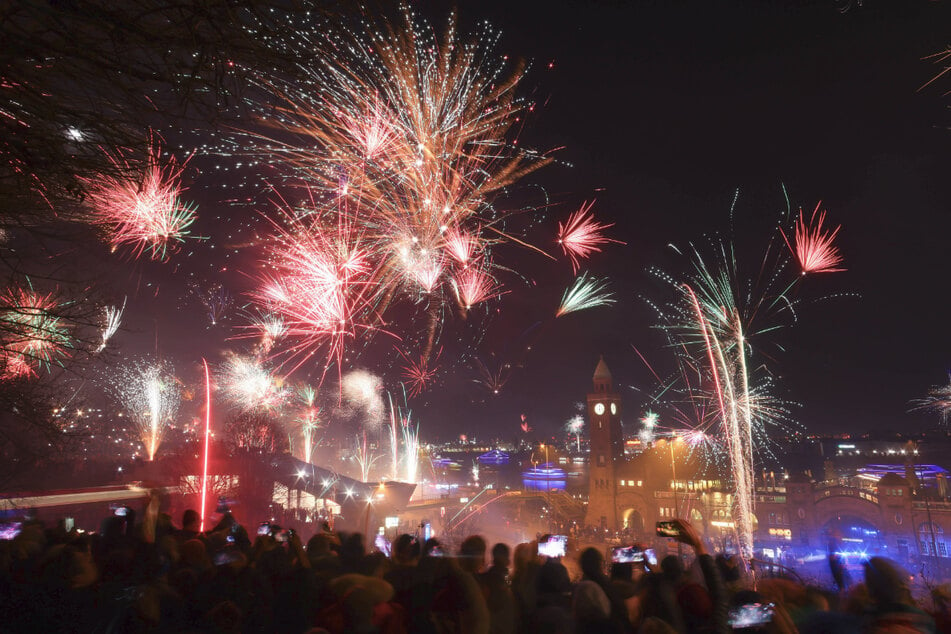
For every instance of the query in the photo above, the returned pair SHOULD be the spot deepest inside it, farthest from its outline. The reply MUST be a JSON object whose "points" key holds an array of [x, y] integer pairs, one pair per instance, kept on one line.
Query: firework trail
{"points": [[309, 421], [142, 207], [113, 319], [365, 457], [586, 292], [941, 57], [404, 137], [410, 451], [394, 440], [249, 386], [814, 249], [581, 235], [151, 395], [32, 334]]}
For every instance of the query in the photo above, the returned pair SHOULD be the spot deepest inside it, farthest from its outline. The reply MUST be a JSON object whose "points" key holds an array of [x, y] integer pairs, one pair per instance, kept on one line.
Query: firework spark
{"points": [[581, 235], [142, 207], [814, 248], [586, 292]]}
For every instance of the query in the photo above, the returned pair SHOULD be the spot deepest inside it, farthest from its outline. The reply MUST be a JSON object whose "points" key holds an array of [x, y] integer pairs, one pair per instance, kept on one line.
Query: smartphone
{"points": [[226, 557], [650, 556], [626, 554], [555, 546], [121, 511], [69, 524], [9, 530], [264, 529], [668, 529], [751, 615], [230, 539]]}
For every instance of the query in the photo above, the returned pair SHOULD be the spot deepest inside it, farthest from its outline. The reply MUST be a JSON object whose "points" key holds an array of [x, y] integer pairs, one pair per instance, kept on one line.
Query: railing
{"points": [[770, 569]]}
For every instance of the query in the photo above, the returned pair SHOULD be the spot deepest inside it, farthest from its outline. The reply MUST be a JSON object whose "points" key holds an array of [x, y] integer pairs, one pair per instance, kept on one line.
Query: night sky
{"points": [[663, 111]]}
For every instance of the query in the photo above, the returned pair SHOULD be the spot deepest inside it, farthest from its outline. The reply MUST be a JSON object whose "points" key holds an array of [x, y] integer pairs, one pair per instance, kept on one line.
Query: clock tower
{"points": [[606, 449]]}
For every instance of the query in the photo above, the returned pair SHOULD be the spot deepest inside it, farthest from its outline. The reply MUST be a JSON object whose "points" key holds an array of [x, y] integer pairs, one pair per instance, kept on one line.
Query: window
{"points": [[601, 460], [621, 482]]}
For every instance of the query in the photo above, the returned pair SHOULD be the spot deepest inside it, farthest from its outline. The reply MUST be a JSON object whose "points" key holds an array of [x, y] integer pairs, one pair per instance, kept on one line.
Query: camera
{"points": [[264, 529]]}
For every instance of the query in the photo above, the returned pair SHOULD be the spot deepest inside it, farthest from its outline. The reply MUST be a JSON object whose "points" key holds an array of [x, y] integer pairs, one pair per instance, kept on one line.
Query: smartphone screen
{"points": [[9, 530], [668, 529], [264, 528], [751, 615], [650, 556], [556, 546], [627, 554]]}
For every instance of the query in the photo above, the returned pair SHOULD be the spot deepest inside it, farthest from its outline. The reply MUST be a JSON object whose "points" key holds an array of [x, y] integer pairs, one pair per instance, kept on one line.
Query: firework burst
{"points": [[417, 375], [814, 248], [32, 334], [581, 235], [141, 208], [586, 292], [938, 400], [250, 386], [404, 137]]}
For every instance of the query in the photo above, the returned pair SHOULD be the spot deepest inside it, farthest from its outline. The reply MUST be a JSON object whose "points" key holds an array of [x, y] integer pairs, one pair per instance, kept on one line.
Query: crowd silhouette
{"points": [[141, 573]]}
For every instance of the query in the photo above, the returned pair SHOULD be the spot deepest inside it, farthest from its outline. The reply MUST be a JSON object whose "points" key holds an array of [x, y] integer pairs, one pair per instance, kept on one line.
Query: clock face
{"points": [[599, 408], [613, 408]]}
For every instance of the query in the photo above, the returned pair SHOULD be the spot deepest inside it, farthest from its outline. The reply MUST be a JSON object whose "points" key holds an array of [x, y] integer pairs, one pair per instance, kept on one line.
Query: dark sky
{"points": [[664, 109]]}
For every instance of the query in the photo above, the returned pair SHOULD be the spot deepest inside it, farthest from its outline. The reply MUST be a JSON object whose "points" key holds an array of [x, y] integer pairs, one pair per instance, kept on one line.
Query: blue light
{"points": [[544, 477], [494, 457]]}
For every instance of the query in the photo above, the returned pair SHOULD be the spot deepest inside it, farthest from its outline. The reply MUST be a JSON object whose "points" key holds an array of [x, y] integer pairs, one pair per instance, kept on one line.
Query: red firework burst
{"points": [[814, 248], [473, 286], [419, 374], [582, 235], [141, 208]]}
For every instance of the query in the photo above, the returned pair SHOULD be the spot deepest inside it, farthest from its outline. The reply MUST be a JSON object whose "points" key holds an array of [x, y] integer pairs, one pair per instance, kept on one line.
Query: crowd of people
{"points": [[148, 575]]}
